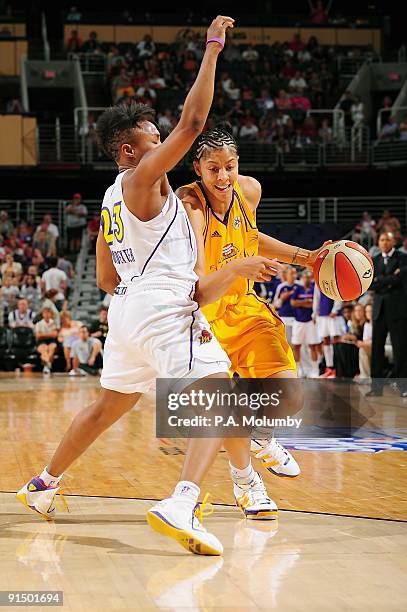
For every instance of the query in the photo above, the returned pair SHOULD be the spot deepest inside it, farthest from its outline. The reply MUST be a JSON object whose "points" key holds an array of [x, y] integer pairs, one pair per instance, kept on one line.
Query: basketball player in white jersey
{"points": [[147, 257]]}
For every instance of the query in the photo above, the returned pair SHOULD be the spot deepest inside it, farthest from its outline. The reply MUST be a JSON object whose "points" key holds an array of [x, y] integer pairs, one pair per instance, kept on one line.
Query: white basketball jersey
{"points": [[160, 251]]}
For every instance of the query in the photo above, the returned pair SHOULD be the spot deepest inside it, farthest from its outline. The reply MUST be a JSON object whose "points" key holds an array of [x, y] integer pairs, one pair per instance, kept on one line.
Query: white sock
{"points": [[48, 479], [187, 490], [242, 477], [329, 355]]}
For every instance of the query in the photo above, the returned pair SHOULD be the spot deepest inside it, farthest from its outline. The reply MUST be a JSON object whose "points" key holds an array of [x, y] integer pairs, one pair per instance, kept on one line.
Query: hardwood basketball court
{"points": [[339, 543]]}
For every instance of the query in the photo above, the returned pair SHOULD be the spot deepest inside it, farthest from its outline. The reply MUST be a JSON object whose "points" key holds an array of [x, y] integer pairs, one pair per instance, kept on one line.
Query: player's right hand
{"points": [[257, 268], [218, 27]]}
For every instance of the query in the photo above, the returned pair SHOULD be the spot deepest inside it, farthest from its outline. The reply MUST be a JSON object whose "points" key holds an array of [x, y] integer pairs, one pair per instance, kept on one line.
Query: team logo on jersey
{"points": [[216, 234], [237, 222], [228, 251], [205, 336]]}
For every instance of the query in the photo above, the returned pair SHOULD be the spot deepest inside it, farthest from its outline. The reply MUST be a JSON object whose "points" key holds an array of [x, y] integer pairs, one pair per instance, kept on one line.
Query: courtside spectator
{"points": [[46, 333], [85, 353], [346, 352], [68, 334], [365, 347], [49, 300], [22, 316], [99, 328]]}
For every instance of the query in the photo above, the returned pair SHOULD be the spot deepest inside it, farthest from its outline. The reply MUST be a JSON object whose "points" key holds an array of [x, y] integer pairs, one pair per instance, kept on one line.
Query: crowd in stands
{"points": [[264, 91], [36, 278], [329, 339], [367, 231]]}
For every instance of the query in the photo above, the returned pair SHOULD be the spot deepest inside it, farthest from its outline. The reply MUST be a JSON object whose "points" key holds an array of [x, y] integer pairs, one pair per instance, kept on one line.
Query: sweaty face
{"points": [[218, 169]]}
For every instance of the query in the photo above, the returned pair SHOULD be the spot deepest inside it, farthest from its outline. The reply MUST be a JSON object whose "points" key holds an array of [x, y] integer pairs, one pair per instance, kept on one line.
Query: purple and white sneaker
{"points": [[37, 496]]}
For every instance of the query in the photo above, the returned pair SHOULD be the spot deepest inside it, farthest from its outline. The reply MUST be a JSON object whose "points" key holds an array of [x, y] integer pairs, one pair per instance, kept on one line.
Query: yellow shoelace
{"points": [[61, 501], [204, 509]]}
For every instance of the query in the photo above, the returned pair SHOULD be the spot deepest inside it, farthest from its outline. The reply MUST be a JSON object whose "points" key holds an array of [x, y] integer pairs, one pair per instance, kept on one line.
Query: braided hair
{"points": [[220, 136]]}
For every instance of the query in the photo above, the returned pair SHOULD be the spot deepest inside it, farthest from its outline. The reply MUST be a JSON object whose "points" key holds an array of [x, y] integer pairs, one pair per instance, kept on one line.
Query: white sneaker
{"points": [[175, 518], [275, 457], [73, 372], [253, 500], [37, 496], [46, 370]]}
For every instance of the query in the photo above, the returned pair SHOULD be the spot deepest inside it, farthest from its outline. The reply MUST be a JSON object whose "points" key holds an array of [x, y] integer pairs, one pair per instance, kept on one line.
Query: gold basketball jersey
{"points": [[225, 240]]}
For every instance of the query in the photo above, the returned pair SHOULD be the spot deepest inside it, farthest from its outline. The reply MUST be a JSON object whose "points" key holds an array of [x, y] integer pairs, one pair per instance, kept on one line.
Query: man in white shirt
{"points": [[22, 316], [54, 278], [51, 228], [298, 81]]}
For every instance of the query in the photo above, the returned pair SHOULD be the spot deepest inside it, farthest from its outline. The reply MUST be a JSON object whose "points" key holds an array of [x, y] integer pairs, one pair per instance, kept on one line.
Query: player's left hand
{"points": [[314, 254]]}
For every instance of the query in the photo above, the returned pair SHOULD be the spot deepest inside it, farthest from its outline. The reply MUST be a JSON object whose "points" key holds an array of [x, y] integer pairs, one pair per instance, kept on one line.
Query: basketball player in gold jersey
{"points": [[221, 206]]}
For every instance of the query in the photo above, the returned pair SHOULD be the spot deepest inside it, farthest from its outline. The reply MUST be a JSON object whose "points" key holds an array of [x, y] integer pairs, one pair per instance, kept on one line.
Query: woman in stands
{"points": [[68, 333]]}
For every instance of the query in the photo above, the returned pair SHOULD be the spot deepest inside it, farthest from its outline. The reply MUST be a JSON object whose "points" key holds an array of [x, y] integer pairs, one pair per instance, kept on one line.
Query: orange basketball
{"points": [[343, 270]]}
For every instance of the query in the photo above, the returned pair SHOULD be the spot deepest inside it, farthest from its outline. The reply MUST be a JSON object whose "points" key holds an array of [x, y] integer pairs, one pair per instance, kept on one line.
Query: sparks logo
{"points": [[237, 222], [206, 336], [215, 234]]}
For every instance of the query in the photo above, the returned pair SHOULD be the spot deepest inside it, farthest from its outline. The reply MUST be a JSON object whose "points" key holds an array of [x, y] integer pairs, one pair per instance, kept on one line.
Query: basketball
{"points": [[343, 270]]}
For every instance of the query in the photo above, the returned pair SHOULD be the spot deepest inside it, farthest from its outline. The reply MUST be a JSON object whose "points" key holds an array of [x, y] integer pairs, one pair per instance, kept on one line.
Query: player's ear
{"points": [[197, 167], [128, 150]]}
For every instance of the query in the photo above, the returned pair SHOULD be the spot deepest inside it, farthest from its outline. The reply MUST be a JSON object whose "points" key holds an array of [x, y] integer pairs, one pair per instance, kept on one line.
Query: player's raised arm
{"points": [[195, 111]]}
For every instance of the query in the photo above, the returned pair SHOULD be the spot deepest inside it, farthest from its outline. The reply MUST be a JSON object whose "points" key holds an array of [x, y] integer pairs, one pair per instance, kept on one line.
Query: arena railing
{"points": [[90, 63], [313, 210], [69, 144]]}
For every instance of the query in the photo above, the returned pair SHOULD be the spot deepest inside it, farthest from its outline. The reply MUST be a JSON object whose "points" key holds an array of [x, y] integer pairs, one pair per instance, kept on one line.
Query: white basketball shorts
{"points": [[157, 333], [305, 333], [328, 327]]}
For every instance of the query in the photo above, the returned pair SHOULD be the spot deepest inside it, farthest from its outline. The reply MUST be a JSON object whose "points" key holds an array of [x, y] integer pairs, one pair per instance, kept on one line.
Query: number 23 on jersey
{"points": [[112, 225]]}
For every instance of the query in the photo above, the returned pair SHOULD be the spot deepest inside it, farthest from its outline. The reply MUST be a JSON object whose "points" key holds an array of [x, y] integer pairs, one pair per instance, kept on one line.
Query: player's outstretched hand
{"points": [[314, 254], [257, 268], [218, 28]]}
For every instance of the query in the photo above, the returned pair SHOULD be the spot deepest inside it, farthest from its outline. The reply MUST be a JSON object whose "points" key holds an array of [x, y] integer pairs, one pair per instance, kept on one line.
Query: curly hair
{"points": [[220, 136], [114, 125]]}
